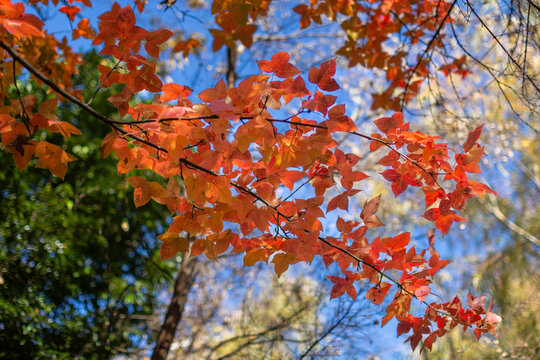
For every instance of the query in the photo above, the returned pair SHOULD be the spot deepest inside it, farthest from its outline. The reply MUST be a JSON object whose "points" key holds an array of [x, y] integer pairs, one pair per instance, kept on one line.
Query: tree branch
{"points": [[327, 332], [433, 38], [282, 324], [496, 211], [183, 281], [493, 75], [502, 46], [114, 124], [383, 274]]}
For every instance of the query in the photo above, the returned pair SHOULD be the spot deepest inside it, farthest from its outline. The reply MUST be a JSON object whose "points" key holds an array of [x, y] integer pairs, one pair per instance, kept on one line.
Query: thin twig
{"points": [[502, 46], [388, 277], [26, 118], [496, 211], [497, 81], [434, 37], [103, 81], [327, 332], [526, 46]]}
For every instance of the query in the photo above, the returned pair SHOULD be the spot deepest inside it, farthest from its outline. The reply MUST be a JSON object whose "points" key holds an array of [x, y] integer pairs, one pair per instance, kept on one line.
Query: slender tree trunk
{"points": [[184, 281], [231, 66]]}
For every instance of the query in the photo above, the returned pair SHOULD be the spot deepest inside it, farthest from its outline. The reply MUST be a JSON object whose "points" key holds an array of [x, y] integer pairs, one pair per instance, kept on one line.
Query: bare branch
{"points": [[496, 211], [503, 47], [433, 38], [327, 332]]}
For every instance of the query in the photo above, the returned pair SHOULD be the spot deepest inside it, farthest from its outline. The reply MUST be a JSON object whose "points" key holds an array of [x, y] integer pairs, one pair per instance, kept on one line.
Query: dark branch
{"points": [[503, 48], [428, 46]]}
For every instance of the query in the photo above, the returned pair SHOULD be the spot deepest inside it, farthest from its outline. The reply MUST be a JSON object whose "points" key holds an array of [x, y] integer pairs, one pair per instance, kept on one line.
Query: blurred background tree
{"points": [[79, 266], [255, 315]]}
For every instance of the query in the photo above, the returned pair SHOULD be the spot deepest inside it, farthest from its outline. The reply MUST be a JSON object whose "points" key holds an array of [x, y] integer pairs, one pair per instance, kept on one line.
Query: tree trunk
{"points": [[231, 66], [184, 281]]}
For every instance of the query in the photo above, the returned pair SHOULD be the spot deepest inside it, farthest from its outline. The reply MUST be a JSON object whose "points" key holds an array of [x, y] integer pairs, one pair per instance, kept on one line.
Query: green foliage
{"points": [[78, 265]]}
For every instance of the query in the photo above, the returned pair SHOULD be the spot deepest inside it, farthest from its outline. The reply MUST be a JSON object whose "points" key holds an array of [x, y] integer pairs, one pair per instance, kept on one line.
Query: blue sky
{"points": [[204, 71]]}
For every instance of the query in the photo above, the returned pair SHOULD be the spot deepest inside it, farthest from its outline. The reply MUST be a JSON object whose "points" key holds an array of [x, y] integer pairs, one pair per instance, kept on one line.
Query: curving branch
{"points": [[114, 124], [503, 219], [117, 126]]}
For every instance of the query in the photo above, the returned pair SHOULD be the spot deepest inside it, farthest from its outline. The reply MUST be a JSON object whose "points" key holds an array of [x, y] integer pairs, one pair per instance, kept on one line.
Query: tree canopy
{"points": [[79, 267]]}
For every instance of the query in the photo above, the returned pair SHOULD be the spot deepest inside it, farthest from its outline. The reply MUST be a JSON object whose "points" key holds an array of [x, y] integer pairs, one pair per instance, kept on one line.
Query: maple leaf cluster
{"points": [[237, 178], [411, 21]]}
